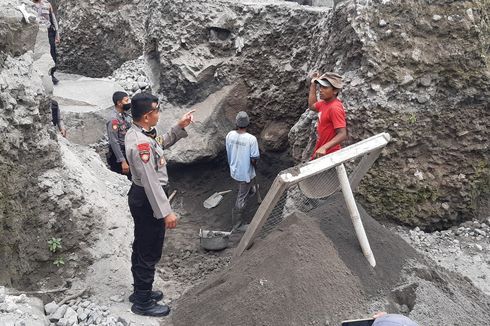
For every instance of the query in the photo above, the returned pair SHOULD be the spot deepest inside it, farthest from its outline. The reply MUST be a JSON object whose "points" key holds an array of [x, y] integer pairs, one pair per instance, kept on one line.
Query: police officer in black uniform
{"points": [[56, 117], [148, 200], [118, 123]]}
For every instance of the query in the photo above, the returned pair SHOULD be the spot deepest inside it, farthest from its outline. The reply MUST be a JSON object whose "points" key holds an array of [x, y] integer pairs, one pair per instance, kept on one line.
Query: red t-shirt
{"points": [[331, 116]]}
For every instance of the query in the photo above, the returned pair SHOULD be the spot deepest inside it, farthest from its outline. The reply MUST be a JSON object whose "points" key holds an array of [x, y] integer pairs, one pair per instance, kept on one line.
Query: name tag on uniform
{"points": [[159, 140]]}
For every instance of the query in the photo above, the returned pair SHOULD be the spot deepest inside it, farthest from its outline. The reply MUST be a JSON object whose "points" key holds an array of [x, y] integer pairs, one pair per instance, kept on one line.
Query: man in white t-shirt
{"points": [[242, 150]]}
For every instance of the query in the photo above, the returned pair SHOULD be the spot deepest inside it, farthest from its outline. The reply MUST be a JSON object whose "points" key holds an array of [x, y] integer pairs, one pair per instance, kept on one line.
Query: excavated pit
{"points": [[308, 270]]}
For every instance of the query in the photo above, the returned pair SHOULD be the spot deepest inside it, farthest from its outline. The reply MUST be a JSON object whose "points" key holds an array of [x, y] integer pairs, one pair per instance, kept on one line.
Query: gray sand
{"points": [[310, 271]]}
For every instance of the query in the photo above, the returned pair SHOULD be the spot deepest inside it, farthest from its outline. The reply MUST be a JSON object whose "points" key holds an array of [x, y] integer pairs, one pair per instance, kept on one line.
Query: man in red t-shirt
{"points": [[332, 128]]}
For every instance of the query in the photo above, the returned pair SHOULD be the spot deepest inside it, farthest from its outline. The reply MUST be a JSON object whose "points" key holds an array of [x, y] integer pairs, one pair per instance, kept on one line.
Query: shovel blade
{"points": [[213, 201]]}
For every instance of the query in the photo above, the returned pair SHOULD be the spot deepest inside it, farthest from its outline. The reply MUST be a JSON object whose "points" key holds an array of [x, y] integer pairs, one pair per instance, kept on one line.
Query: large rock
{"points": [[196, 48], [274, 137], [213, 119], [421, 74]]}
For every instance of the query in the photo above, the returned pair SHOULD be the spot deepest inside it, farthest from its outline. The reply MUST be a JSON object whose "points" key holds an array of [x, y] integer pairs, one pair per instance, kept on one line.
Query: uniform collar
{"points": [[146, 133]]}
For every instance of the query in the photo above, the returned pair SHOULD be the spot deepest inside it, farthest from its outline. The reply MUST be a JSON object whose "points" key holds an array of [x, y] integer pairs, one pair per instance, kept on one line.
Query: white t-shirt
{"points": [[240, 148]]}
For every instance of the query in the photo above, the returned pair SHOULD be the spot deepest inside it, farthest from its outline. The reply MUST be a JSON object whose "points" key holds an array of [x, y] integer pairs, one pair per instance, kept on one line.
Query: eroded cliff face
{"points": [[196, 48], [418, 70], [39, 199], [99, 36]]}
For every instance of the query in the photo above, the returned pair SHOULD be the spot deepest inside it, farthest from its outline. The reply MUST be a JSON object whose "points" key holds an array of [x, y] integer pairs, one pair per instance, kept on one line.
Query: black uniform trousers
{"points": [[52, 47], [114, 165], [149, 234]]}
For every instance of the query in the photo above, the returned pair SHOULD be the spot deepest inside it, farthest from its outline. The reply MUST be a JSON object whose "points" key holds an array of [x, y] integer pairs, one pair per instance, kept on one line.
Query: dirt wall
{"points": [[418, 70]]}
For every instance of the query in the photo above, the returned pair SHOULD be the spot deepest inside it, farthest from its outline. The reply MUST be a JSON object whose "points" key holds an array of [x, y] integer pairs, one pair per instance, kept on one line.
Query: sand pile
{"points": [[310, 271]]}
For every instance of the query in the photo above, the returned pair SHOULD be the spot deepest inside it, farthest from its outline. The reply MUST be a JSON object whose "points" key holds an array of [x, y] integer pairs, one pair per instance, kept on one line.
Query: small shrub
{"points": [[54, 244]]}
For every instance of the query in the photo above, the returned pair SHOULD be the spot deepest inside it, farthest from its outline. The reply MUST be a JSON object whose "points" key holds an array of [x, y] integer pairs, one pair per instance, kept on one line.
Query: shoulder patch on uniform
{"points": [[144, 150], [115, 124]]}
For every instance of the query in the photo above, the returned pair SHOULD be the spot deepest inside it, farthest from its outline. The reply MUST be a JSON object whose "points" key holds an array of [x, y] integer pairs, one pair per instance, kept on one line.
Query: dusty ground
{"points": [[184, 263], [313, 263]]}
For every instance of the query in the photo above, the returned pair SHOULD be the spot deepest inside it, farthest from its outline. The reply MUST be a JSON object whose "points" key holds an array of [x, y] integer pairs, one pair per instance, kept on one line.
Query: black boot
{"points": [[144, 305], [53, 78], [155, 295]]}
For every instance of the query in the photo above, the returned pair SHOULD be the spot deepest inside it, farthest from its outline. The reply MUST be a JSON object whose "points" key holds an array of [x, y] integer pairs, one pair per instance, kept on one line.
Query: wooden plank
{"points": [[362, 168], [354, 215], [261, 215], [298, 173]]}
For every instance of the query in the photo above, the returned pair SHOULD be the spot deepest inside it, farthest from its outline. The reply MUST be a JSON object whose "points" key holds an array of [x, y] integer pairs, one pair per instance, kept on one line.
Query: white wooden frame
{"points": [[369, 148]]}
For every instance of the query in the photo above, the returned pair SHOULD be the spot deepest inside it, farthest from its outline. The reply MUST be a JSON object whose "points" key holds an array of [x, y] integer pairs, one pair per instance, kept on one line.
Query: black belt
{"points": [[165, 188]]}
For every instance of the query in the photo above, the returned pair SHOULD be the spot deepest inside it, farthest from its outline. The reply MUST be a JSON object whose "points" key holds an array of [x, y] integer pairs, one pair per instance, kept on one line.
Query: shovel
{"points": [[172, 195], [215, 199]]}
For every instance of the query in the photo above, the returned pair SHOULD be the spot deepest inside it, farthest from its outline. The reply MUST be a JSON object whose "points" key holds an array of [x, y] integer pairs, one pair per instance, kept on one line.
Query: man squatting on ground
{"points": [[56, 117], [242, 151], [332, 127], [147, 198], [118, 123], [47, 19]]}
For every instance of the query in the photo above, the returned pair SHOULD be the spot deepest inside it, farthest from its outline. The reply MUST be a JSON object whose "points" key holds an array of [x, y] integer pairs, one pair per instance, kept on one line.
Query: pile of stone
{"points": [[132, 76], [82, 312], [470, 230], [20, 310], [463, 249], [476, 229]]}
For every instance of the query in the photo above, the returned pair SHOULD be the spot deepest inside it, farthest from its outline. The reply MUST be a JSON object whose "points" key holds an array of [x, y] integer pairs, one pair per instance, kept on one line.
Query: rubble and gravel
{"points": [[83, 312], [132, 76], [21, 310], [464, 249]]}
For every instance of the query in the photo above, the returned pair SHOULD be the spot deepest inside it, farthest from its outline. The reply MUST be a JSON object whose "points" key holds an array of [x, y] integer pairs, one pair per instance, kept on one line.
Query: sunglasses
{"points": [[159, 108]]}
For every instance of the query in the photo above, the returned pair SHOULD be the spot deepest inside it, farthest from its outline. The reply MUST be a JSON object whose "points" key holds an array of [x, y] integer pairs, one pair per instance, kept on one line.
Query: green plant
{"points": [[54, 244], [59, 261], [412, 118]]}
